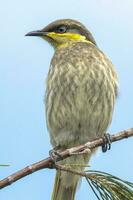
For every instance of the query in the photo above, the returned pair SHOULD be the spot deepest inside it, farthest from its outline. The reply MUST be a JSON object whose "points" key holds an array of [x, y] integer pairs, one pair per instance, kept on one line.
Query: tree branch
{"points": [[48, 163]]}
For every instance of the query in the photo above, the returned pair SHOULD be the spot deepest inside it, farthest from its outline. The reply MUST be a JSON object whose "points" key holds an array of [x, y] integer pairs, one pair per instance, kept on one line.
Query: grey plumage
{"points": [[80, 95]]}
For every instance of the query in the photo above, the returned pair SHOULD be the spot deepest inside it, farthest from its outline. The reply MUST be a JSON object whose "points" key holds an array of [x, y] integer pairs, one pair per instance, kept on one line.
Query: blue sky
{"points": [[24, 64]]}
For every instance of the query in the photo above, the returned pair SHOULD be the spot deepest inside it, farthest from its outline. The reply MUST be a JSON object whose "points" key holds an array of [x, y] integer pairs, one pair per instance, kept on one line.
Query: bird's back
{"points": [[80, 94]]}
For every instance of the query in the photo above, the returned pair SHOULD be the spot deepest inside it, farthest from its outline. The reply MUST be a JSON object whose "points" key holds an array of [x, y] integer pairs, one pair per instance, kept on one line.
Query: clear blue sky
{"points": [[24, 64]]}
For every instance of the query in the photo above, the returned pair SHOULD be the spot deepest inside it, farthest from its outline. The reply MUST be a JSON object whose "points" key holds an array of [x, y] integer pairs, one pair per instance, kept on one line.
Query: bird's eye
{"points": [[61, 29]]}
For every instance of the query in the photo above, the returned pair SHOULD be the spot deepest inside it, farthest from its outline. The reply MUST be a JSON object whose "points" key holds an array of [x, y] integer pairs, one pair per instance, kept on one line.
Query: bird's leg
{"points": [[55, 154], [106, 142]]}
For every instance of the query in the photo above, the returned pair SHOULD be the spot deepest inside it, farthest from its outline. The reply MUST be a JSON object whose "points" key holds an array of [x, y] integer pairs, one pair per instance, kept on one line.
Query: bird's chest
{"points": [[80, 95], [73, 93], [66, 87]]}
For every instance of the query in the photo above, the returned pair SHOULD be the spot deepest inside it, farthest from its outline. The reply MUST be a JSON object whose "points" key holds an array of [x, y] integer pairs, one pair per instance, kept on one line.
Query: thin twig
{"points": [[48, 163]]}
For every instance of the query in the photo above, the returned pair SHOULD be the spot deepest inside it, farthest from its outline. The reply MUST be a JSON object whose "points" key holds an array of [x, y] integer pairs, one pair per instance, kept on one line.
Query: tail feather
{"points": [[62, 192], [66, 183]]}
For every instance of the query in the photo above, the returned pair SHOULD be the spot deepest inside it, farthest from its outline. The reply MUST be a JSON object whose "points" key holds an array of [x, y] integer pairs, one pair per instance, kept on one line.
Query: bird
{"points": [[81, 90]]}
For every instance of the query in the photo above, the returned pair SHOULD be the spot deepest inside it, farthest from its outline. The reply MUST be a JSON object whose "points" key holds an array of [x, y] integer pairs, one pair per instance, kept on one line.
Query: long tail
{"points": [[66, 183], [61, 192]]}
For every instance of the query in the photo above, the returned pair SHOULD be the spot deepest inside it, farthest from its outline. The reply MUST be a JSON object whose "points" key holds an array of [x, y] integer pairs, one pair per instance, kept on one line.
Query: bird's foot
{"points": [[55, 154], [106, 142]]}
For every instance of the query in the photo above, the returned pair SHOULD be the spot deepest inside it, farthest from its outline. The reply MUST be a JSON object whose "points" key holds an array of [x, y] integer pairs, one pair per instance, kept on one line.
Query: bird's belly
{"points": [[77, 114]]}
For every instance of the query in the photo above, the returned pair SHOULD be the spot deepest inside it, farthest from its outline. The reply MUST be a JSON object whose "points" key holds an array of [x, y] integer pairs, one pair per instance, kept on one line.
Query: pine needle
{"points": [[108, 187], [3, 165], [76, 165]]}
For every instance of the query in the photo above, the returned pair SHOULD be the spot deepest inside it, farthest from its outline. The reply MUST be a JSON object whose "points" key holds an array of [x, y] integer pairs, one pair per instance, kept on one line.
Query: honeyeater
{"points": [[81, 90]]}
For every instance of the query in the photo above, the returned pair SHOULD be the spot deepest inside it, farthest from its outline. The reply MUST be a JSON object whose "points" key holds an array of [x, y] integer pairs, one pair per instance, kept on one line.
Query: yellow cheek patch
{"points": [[70, 36], [64, 39]]}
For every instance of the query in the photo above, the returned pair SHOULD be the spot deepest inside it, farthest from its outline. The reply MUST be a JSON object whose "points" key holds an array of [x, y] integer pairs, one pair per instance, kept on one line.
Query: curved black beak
{"points": [[37, 33]]}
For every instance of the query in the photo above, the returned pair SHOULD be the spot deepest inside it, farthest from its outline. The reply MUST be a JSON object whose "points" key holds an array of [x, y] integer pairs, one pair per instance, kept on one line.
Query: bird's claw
{"points": [[106, 142], [55, 155]]}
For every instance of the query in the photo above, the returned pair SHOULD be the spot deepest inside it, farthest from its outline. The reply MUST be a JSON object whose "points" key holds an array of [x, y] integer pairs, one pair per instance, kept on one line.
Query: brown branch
{"points": [[48, 163]]}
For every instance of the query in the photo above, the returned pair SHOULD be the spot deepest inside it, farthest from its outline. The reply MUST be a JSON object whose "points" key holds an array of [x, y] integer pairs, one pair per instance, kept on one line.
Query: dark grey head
{"points": [[62, 30]]}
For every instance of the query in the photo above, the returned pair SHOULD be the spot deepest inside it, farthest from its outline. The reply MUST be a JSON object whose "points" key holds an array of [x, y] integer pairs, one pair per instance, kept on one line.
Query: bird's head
{"points": [[63, 32]]}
